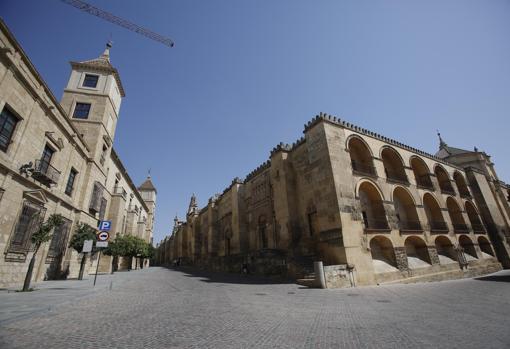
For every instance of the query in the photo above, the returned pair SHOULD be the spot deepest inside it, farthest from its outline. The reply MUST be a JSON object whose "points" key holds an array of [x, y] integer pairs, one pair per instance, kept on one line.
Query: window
{"points": [[46, 159], [70, 182], [58, 240], [95, 200], [31, 215], [102, 208], [8, 123], [81, 111], [90, 80]]}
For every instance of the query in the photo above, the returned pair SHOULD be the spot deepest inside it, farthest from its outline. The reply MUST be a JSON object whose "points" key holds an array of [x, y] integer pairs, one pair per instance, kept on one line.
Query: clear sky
{"points": [[245, 75]]}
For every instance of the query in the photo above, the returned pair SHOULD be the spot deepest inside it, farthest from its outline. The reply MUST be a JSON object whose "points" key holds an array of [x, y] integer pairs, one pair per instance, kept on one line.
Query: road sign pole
{"points": [[97, 267]]}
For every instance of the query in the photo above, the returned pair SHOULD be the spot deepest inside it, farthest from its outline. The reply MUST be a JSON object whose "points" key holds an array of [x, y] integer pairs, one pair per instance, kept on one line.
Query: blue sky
{"points": [[245, 75]]}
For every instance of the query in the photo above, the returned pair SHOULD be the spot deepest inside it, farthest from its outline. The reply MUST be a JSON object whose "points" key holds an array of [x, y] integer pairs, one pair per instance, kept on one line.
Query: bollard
{"points": [[319, 274]]}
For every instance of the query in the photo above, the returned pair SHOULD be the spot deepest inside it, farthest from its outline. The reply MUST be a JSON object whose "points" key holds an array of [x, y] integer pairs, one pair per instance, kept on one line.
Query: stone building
{"points": [[370, 208], [58, 157]]}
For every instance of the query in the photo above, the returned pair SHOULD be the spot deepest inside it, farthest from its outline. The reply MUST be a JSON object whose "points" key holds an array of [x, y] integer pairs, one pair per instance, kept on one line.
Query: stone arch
{"points": [[459, 225], [417, 252], [485, 247], [383, 254], [461, 184], [421, 172], [361, 155], [393, 165], [468, 247], [372, 208], [434, 215], [405, 209], [445, 184], [445, 250], [474, 218], [262, 230]]}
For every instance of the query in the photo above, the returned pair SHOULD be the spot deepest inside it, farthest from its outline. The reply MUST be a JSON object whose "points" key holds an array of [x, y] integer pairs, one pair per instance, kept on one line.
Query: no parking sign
{"points": [[103, 236]]}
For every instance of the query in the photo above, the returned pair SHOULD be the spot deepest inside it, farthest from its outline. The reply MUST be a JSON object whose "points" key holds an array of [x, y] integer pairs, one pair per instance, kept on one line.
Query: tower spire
{"points": [[106, 53], [442, 143]]}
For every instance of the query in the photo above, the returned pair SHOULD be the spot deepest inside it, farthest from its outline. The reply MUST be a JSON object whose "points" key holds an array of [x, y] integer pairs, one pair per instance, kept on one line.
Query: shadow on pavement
{"points": [[499, 278], [226, 278]]}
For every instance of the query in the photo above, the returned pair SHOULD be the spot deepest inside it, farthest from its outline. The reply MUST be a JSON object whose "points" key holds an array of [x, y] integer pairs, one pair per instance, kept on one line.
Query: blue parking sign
{"points": [[105, 225]]}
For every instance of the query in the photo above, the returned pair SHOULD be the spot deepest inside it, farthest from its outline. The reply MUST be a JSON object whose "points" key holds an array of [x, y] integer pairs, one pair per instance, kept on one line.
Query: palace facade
{"points": [[58, 157], [370, 208]]}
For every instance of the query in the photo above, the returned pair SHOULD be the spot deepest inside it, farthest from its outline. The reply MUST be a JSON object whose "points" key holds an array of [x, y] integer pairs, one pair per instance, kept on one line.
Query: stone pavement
{"points": [[161, 308]]}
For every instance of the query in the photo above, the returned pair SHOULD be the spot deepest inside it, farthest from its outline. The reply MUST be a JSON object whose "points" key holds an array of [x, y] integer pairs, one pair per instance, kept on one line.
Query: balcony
{"points": [[45, 173], [410, 226], [424, 181], [464, 192], [446, 188], [438, 227], [478, 228], [362, 169], [394, 176], [460, 228], [376, 224], [118, 190]]}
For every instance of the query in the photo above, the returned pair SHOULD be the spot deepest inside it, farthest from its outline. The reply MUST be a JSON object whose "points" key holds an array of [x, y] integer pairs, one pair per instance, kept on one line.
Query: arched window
{"points": [[417, 253], [461, 185], [405, 210], [474, 219], [445, 250], [468, 247], [434, 214], [444, 181], [459, 225], [383, 255], [485, 247], [421, 173], [372, 209], [361, 159], [393, 166]]}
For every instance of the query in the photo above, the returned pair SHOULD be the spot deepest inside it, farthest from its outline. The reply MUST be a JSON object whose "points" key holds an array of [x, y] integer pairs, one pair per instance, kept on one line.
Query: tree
{"points": [[117, 248], [42, 235], [83, 232]]}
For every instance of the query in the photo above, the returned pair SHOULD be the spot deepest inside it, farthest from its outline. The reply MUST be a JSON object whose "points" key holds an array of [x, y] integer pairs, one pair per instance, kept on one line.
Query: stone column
{"points": [[401, 257], [434, 258]]}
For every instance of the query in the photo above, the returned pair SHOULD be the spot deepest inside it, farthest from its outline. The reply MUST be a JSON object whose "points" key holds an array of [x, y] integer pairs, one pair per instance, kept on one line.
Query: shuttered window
{"points": [[30, 217]]}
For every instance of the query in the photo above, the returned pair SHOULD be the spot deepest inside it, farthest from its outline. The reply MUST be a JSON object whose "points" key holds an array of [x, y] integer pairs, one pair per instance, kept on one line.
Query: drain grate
{"points": [[383, 301], [261, 294]]}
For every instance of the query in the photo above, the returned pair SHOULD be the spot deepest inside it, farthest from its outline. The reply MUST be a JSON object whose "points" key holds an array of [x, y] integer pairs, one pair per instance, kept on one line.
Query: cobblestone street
{"points": [[160, 308]]}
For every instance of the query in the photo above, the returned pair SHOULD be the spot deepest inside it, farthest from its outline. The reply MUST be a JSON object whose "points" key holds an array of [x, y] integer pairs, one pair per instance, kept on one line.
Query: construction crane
{"points": [[83, 6]]}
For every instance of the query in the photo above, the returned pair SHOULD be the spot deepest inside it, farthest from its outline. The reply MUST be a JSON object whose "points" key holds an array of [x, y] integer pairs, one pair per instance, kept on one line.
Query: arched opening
{"points": [[383, 255], [417, 253], [393, 166], [434, 214], [485, 247], [445, 250], [474, 219], [421, 173], [405, 210], [262, 228], [361, 158], [461, 184], [372, 209], [444, 181], [459, 225], [468, 247]]}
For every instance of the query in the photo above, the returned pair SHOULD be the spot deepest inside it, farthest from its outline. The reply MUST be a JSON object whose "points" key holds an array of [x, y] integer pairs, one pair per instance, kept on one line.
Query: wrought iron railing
{"points": [[478, 227], [438, 226], [362, 168], [379, 223], [446, 187], [410, 225], [396, 176], [424, 181], [460, 228], [44, 172]]}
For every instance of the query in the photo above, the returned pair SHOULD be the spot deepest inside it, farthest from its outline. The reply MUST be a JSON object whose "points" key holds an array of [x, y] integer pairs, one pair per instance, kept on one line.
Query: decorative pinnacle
{"points": [[442, 143]]}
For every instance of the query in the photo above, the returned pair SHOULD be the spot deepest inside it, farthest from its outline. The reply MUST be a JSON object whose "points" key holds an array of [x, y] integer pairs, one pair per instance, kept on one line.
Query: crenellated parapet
{"points": [[323, 117], [258, 170]]}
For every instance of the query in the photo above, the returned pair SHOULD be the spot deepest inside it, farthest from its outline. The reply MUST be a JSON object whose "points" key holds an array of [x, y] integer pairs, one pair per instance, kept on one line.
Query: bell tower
{"points": [[148, 192], [92, 100]]}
